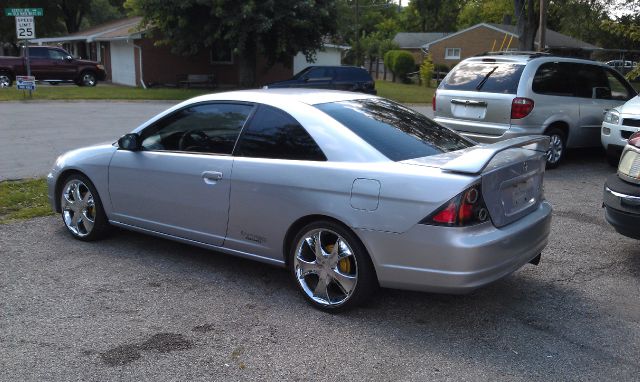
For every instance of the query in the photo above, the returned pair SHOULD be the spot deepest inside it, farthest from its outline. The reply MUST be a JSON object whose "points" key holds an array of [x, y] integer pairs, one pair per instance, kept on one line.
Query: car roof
{"points": [[524, 59], [286, 95]]}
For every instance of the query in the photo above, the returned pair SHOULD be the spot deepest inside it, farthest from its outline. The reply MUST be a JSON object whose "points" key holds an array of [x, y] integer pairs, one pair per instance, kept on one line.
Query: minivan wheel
{"points": [[557, 147], [331, 267]]}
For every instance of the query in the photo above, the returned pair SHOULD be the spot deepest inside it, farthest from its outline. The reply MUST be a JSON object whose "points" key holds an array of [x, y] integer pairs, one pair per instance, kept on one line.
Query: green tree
{"points": [[527, 18], [277, 29], [426, 71], [482, 11], [431, 15]]}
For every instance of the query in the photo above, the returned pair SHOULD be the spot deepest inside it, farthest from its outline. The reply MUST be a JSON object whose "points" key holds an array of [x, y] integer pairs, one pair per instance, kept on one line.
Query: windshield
{"points": [[491, 77], [397, 132]]}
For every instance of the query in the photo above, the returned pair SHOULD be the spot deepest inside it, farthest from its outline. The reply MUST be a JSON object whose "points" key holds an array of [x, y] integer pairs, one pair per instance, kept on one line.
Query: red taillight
{"points": [[521, 107], [465, 209], [634, 139], [433, 102]]}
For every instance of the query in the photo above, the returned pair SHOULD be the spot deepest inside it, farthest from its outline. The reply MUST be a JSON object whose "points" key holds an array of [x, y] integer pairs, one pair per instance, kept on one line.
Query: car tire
{"points": [[5, 80], [557, 147], [341, 277], [87, 78], [81, 209]]}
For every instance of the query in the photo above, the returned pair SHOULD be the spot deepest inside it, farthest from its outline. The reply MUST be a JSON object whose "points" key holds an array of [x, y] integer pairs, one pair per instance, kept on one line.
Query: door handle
{"points": [[211, 177]]}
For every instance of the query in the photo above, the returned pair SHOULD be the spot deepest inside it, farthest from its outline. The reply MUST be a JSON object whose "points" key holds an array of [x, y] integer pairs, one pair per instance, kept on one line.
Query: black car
{"points": [[622, 192], [349, 78]]}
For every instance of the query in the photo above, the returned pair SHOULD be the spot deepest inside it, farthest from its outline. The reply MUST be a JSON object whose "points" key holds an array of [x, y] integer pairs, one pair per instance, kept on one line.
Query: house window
{"points": [[452, 54], [221, 53]]}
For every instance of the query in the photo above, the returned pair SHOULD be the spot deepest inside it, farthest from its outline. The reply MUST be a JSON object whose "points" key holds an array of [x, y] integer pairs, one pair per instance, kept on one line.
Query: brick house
{"points": [[486, 37], [414, 42], [131, 57]]}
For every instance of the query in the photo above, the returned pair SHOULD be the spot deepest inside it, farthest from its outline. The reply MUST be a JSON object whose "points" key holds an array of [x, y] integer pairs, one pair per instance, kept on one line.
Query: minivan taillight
{"points": [[466, 208], [521, 107], [433, 101]]}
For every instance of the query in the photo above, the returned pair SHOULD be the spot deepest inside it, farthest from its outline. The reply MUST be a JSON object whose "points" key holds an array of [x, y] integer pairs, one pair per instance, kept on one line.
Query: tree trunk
{"points": [[526, 25], [247, 66]]}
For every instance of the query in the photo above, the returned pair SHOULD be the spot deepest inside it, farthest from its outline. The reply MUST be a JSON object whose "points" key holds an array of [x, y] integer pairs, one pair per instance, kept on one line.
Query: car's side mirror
{"points": [[68, 58], [130, 142]]}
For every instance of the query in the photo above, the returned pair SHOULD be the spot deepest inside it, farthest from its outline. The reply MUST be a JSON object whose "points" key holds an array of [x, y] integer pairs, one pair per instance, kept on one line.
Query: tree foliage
{"points": [[276, 29], [431, 15], [426, 71], [482, 11]]}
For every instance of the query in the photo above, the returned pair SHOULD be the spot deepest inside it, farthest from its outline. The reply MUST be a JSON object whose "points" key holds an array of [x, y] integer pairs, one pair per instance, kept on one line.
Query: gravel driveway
{"points": [[134, 307]]}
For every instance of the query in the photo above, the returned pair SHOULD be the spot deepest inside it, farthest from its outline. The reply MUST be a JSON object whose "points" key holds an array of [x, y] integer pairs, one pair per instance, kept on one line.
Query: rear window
{"points": [[397, 132], [490, 77]]}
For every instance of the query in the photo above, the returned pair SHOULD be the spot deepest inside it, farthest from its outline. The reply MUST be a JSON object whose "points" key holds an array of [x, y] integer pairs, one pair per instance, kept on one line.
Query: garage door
{"points": [[123, 69]]}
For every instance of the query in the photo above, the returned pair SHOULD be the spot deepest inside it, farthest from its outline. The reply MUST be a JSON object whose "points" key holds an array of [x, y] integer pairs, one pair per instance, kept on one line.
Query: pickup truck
{"points": [[53, 65]]}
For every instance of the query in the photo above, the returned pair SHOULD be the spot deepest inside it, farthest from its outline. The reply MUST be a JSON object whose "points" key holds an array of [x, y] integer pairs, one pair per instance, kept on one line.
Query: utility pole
{"points": [[542, 43], [357, 35]]}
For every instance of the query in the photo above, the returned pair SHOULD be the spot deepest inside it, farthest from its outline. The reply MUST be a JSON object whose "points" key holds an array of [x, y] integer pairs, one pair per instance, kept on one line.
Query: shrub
{"points": [[403, 64], [426, 71]]}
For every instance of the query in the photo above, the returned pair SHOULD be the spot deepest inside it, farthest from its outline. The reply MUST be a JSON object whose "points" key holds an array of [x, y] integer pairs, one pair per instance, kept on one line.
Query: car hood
{"points": [[632, 107], [86, 62]]}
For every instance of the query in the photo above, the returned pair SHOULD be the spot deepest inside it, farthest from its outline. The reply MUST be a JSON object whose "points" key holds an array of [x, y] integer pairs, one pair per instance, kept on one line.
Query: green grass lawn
{"points": [[23, 199], [100, 92], [405, 93]]}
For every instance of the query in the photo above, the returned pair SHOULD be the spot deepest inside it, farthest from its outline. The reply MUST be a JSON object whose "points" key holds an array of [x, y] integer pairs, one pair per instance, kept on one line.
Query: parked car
{"points": [[491, 98], [347, 190], [622, 192], [622, 66], [349, 78], [617, 127], [51, 64]]}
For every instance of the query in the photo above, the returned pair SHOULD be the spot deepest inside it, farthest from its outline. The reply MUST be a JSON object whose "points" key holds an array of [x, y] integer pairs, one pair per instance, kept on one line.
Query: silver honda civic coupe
{"points": [[347, 190]]}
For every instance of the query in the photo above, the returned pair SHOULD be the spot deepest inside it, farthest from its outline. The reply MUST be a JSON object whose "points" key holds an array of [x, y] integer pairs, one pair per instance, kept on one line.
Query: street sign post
{"points": [[25, 30], [26, 82]]}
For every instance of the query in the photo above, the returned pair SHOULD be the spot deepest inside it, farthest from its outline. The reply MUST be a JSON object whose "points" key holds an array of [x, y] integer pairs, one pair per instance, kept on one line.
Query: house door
{"points": [[123, 66]]}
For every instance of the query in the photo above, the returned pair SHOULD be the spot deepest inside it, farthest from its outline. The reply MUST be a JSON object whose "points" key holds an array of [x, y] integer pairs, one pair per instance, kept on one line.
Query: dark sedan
{"points": [[349, 78]]}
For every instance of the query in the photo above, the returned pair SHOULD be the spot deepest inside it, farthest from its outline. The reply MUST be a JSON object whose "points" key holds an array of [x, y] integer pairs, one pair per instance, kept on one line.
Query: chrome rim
{"points": [[88, 79], [326, 267], [555, 149], [78, 208], [4, 81]]}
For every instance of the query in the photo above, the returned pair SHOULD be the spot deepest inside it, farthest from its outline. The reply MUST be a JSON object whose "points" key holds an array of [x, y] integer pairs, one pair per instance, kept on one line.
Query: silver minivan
{"points": [[495, 97]]}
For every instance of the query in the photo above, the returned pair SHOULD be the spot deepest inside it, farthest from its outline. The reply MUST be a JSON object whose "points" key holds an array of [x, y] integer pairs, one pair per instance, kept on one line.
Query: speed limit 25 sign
{"points": [[25, 28]]}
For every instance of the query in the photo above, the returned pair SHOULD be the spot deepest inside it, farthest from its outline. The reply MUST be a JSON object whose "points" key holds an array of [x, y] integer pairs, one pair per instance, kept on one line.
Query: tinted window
{"points": [[38, 53], [273, 133], [352, 74], [618, 85], [589, 78], [554, 78], [319, 72], [55, 54], [491, 77], [397, 132], [206, 128]]}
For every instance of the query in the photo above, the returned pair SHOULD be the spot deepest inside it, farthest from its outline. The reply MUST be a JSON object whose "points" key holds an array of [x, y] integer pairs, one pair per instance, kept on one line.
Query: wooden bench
{"points": [[199, 80]]}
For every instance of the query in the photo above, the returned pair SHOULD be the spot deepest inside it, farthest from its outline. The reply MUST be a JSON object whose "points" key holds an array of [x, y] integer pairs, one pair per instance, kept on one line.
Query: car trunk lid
{"points": [[511, 174]]}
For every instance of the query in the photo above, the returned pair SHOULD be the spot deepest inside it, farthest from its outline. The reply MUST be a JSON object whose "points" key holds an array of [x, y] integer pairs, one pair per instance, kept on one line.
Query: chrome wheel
{"points": [[88, 79], [325, 267], [5, 81], [556, 148], [78, 208]]}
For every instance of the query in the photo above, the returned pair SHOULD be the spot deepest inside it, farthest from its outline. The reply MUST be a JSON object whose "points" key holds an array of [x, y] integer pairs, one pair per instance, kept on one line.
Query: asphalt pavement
{"points": [[134, 307], [34, 133]]}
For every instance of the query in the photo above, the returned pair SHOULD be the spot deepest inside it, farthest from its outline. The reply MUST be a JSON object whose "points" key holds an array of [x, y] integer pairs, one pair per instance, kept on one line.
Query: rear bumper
{"points": [[456, 260], [500, 132], [622, 206]]}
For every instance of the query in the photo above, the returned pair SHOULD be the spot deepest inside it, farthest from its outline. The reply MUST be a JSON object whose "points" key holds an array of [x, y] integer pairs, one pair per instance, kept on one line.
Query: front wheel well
{"points": [[60, 182]]}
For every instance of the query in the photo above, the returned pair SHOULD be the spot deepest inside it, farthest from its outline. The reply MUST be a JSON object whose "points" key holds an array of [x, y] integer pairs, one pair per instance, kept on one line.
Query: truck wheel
{"points": [[5, 80], [87, 78]]}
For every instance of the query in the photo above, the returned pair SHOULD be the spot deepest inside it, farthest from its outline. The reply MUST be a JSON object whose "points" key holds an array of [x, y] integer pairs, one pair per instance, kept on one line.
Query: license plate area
{"points": [[519, 194], [467, 111]]}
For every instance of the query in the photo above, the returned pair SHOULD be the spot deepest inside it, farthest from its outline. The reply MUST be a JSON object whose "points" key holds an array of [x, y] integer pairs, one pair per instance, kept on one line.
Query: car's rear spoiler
{"points": [[474, 161]]}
